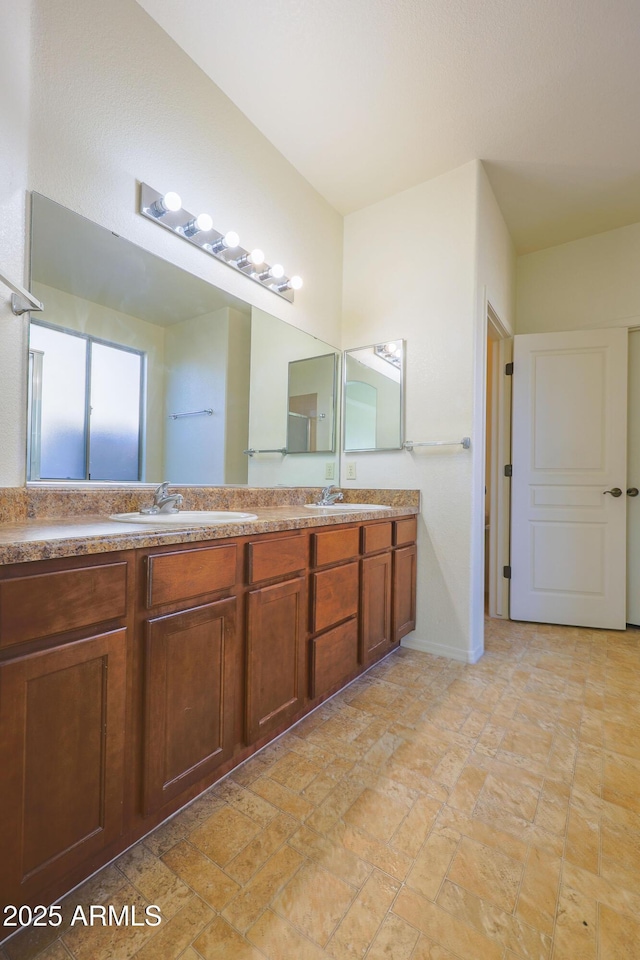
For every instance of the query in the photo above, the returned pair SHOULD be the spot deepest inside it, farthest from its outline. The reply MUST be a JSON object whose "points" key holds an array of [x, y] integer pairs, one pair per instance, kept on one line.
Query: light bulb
{"points": [[293, 284], [170, 202], [276, 271], [204, 222], [200, 224], [256, 257], [231, 240], [391, 347]]}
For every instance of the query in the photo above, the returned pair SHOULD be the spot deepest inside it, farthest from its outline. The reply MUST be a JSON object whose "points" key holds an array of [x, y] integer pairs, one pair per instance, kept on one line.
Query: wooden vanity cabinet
{"points": [[333, 615], [375, 607], [375, 591], [189, 698], [65, 654], [404, 576], [131, 681], [404, 591], [276, 662], [190, 654]]}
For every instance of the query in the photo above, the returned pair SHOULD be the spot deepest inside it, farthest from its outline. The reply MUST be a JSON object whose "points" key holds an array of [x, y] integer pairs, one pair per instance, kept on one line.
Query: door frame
{"points": [[487, 315], [500, 503]]}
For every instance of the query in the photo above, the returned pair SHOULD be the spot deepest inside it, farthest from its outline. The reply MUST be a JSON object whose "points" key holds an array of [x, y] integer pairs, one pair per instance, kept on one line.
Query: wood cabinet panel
{"points": [[404, 591], [187, 574], [335, 596], [45, 604], [375, 607], [333, 546], [268, 559], [191, 659], [334, 657], [405, 531], [376, 536], [276, 687], [62, 715]]}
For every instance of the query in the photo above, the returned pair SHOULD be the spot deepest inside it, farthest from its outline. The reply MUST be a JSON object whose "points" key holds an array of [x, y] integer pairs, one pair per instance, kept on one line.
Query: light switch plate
{"points": [[351, 471]]}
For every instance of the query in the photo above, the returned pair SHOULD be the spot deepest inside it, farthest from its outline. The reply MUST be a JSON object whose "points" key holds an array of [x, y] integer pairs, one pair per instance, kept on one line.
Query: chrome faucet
{"points": [[328, 498], [163, 501]]}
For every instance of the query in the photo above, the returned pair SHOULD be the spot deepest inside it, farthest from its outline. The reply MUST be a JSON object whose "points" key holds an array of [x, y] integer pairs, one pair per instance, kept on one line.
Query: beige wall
{"points": [[418, 284], [236, 469], [115, 101], [445, 251], [593, 282], [196, 379]]}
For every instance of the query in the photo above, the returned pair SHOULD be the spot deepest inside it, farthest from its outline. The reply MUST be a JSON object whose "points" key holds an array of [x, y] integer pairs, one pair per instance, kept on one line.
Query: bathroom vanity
{"points": [[133, 677]]}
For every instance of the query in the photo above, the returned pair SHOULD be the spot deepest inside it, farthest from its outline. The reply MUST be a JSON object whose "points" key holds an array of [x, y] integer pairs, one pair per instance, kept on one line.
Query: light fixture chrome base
{"points": [[175, 221]]}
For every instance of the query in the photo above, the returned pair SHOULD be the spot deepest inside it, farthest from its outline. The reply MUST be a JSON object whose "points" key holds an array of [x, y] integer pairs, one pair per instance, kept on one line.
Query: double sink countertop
{"points": [[50, 522]]}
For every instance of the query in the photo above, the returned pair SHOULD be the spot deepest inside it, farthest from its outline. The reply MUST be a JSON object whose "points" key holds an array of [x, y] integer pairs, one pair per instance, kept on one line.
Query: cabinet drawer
{"points": [[334, 657], [376, 537], [405, 531], [335, 596], [276, 558], [46, 604], [332, 546], [190, 573]]}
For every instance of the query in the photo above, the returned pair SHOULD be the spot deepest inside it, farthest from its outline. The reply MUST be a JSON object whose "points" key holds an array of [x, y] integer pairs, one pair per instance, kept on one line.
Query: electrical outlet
{"points": [[330, 470], [351, 470]]}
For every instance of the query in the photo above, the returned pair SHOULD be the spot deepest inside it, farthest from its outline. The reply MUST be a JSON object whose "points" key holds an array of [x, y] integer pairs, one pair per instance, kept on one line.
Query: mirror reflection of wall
{"points": [[287, 362], [311, 392], [373, 397], [112, 305]]}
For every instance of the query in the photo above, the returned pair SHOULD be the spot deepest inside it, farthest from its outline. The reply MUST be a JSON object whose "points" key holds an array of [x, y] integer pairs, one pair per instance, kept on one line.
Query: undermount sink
{"points": [[346, 507], [185, 517]]}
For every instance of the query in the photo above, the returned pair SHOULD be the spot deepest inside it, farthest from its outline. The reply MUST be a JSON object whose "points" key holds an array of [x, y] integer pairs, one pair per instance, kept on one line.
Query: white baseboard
{"points": [[442, 649]]}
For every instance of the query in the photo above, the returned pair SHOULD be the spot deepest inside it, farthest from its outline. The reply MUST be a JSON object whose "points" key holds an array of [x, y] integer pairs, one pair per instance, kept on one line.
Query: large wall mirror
{"points": [[140, 371], [373, 393]]}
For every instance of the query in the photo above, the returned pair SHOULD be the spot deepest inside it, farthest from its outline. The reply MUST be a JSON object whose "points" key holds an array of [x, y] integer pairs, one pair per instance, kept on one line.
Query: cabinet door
{"points": [[375, 607], [275, 656], [404, 591], [62, 716], [191, 659]]}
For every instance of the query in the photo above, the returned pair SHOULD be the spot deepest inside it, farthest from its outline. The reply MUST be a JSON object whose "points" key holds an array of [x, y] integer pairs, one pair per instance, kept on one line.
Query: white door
{"points": [[633, 481], [568, 493]]}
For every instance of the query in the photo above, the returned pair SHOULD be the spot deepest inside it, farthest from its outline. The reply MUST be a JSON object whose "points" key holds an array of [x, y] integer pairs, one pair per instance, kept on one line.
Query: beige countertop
{"points": [[47, 538]]}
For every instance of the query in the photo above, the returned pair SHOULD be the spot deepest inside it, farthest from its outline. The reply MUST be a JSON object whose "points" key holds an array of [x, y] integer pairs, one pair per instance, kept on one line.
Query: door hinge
{"points": [[508, 369], [508, 470], [506, 573]]}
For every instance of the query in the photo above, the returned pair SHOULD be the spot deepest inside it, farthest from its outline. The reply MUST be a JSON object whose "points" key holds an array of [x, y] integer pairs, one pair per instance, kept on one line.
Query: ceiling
{"points": [[369, 97]]}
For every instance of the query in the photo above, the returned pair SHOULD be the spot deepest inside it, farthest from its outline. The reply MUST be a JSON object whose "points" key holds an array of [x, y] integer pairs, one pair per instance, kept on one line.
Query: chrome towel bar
{"points": [[410, 444]]}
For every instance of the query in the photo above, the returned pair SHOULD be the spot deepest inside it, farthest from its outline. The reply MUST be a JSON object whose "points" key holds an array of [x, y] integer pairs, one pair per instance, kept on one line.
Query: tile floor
{"points": [[431, 811]]}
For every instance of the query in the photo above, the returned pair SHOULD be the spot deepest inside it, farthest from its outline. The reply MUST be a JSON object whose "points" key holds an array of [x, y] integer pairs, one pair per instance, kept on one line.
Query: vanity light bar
{"points": [[166, 210]]}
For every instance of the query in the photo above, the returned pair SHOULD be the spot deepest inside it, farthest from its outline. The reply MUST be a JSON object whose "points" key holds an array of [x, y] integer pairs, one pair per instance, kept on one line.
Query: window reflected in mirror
{"points": [[85, 407], [373, 397]]}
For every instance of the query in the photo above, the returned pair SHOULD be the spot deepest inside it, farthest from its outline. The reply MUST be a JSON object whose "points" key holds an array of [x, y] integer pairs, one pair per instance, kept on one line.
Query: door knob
{"points": [[615, 492], [632, 492]]}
